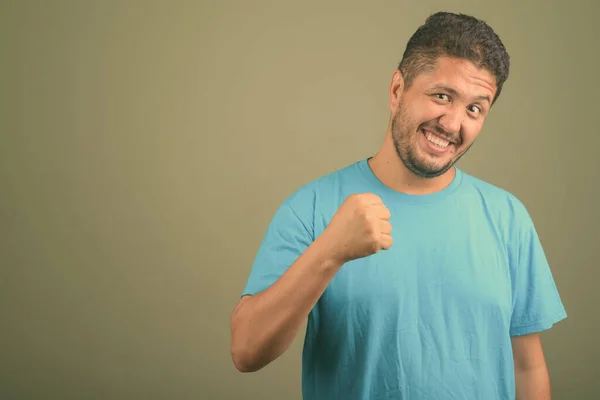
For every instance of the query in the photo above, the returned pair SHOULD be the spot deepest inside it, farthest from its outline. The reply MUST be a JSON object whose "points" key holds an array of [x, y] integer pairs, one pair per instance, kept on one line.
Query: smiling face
{"points": [[436, 120]]}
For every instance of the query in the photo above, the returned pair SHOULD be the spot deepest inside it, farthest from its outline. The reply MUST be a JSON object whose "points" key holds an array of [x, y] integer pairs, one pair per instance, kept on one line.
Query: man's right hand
{"points": [[264, 325], [359, 228]]}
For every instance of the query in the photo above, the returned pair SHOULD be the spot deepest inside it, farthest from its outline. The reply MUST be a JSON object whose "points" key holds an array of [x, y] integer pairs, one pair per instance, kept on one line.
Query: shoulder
{"points": [[301, 207], [500, 201], [309, 194]]}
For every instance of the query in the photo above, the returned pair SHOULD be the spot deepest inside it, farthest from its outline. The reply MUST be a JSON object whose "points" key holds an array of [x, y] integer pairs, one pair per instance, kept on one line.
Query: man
{"points": [[446, 305]]}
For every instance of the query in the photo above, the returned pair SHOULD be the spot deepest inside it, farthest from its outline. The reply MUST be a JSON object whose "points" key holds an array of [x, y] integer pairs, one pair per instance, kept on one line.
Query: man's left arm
{"points": [[531, 373]]}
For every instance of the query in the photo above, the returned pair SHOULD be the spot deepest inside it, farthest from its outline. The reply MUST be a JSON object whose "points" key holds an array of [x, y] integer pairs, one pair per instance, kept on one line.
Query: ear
{"points": [[396, 89]]}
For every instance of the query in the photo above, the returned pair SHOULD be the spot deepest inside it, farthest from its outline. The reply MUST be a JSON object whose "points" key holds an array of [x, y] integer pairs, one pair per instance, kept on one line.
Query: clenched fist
{"points": [[359, 228]]}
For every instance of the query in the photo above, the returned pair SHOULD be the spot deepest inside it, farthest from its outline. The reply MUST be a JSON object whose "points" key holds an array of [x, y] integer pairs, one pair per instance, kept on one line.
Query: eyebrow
{"points": [[455, 93]]}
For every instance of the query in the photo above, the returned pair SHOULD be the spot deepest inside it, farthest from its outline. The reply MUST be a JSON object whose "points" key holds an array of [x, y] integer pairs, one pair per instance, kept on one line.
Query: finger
{"points": [[381, 212], [386, 241], [385, 227], [371, 198]]}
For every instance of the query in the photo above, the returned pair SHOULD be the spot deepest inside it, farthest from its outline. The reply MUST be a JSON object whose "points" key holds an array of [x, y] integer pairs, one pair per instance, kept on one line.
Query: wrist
{"points": [[326, 255]]}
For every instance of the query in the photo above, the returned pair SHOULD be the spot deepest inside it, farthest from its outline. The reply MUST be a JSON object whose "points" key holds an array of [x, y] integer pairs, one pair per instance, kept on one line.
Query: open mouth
{"points": [[437, 141]]}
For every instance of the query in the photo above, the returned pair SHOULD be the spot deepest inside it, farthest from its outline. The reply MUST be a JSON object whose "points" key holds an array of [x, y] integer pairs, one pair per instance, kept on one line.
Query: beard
{"points": [[405, 142]]}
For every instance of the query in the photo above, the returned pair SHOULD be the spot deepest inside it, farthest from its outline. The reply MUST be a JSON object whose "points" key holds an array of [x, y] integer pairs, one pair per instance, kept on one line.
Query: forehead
{"points": [[461, 75]]}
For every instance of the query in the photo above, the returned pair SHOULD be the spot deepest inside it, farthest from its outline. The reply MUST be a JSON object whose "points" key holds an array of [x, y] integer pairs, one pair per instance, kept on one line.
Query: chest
{"points": [[448, 267]]}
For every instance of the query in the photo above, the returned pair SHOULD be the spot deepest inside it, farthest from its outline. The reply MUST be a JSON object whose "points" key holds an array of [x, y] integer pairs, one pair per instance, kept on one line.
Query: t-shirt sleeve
{"points": [[286, 238], [537, 305]]}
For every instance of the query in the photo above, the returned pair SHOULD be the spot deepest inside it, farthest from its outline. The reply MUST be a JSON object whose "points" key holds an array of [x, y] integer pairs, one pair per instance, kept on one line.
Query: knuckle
{"points": [[371, 230]]}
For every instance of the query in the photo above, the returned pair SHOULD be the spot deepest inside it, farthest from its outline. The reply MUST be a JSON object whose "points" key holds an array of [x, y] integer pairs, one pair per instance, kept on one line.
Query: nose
{"points": [[451, 121]]}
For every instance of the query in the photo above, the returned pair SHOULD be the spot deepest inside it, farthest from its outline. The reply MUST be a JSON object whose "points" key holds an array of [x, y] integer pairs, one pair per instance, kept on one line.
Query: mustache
{"points": [[442, 132]]}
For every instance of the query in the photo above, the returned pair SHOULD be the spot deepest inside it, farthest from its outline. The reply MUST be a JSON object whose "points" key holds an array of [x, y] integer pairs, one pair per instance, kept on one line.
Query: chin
{"points": [[426, 170], [430, 174]]}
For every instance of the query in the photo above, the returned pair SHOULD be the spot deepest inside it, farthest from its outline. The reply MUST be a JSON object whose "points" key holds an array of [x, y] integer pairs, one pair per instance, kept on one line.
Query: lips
{"points": [[442, 138], [436, 144]]}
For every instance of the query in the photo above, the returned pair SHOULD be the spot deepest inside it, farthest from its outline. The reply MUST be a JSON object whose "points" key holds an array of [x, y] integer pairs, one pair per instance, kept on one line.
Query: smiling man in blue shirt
{"points": [[418, 280]]}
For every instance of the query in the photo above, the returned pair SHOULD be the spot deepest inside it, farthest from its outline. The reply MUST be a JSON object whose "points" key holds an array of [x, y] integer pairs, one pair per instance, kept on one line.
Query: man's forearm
{"points": [[264, 325], [533, 384]]}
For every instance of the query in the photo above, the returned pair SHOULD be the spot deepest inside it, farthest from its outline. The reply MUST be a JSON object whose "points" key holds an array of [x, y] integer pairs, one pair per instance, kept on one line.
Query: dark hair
{"points": [[459, 36]]}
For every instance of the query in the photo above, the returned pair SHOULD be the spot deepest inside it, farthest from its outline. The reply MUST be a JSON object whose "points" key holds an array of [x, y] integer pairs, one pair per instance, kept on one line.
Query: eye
{"points": [[442, 96], [475, 109]]}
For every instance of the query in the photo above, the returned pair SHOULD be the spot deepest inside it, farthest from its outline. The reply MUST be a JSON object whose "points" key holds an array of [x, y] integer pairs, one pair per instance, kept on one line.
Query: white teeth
{"points": [[436, 140]]}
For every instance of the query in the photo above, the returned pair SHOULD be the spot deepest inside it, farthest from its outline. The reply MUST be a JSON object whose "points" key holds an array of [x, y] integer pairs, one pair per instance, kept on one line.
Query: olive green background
{"points": [[144, 147]]}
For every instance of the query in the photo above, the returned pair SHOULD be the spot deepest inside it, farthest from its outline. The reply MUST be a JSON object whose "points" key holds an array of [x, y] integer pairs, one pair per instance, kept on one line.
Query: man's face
{"points": [[437, 119]]}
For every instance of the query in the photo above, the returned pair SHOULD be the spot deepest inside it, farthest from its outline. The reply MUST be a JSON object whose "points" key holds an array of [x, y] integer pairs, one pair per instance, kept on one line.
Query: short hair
{"points": [[447, 34]]}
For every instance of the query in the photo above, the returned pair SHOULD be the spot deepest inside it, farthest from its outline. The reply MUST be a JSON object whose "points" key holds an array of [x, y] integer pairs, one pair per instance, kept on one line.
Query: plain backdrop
{"points": [[144, 147]]}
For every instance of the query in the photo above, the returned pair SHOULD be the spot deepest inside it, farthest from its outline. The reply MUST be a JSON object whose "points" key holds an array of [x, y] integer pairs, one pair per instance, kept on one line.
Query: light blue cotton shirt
{"points": [[432, 317]]}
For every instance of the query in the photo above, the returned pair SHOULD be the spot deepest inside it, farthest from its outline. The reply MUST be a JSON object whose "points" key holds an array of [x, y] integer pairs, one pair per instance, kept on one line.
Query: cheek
{"points": [[469, 135], [428, 111], [471, 128], [417, 112]]}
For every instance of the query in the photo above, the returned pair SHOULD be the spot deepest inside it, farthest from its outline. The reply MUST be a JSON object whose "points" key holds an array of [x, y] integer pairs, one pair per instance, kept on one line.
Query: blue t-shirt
{"points": [[430, 318]]}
